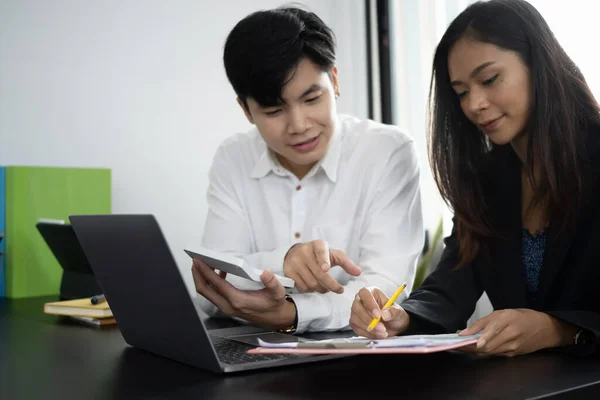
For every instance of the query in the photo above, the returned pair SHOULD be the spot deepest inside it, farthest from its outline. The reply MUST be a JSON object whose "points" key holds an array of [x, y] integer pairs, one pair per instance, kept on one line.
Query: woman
{"points": [[515, 152]]}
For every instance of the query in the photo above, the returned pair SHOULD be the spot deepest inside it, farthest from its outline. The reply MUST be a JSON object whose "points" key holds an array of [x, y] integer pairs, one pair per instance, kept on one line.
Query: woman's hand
{"points": [[513, 332], [367, 305]]}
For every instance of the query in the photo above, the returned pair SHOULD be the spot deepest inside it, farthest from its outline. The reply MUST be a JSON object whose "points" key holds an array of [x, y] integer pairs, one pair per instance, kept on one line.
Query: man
{"points": [[328, 200]]}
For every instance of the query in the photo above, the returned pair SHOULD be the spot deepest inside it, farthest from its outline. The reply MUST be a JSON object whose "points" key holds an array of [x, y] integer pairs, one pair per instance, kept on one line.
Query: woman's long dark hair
{"points": [[562, 109]]}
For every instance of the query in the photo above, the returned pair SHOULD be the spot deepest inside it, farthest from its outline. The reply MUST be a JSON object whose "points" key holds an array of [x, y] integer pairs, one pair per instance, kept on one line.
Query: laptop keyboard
{"points": [[233, 352]]}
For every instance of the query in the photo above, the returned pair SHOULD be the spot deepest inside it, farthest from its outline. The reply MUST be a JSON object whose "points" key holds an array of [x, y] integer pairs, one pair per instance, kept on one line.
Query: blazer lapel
{"points": [[508, 265]]}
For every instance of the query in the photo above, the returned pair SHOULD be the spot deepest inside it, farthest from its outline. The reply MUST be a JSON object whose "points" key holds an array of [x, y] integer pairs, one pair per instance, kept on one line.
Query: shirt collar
{"points": [[265, 164], [330, 162]]}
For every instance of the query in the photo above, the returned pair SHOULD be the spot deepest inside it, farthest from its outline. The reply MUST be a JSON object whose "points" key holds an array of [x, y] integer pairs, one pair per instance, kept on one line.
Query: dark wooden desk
{"points": [[47, 357]]}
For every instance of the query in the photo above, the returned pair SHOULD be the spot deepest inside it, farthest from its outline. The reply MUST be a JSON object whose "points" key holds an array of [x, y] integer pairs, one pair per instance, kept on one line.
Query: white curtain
{"points": [[415, 29]]}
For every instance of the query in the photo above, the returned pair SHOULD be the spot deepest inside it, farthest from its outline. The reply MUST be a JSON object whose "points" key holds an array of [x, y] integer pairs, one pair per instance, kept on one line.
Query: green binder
{"points": [[34, 193]]}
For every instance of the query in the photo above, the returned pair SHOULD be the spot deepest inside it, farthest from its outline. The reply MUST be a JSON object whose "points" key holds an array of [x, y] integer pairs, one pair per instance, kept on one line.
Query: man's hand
{"points": [[367, 305], [308, 264], [513, 332], [266, 307]]}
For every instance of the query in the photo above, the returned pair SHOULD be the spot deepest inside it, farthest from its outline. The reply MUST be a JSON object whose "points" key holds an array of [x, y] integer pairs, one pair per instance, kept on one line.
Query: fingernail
{"points": [[386, 315], [382, 335], [379, 327], [375, 313], [481, 343], [325, 267], [268, 275]]}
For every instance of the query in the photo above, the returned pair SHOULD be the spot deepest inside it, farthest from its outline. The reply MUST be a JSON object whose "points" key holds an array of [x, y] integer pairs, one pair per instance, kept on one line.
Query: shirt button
{"points": [[298, 187], [297, 235]]}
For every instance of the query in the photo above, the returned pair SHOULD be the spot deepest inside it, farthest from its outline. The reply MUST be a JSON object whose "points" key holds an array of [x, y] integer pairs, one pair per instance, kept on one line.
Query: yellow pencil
{"points": [[388, 304]]}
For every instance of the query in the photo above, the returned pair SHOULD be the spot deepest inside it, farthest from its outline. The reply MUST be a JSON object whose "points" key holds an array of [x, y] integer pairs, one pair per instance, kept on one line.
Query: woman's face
{"points": [[493, 87]]}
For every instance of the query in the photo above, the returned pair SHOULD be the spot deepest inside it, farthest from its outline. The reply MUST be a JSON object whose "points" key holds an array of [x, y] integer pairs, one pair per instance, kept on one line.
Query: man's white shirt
{"points": [[362, 198]]}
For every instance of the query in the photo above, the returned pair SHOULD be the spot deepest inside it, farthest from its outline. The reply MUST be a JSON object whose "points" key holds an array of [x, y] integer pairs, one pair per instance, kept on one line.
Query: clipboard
{"points": [[415, 344]]}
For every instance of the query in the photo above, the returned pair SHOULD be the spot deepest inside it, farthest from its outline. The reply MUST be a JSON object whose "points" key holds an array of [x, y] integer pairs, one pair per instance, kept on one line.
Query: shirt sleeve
{"points": [[227, 228], [390, 243], [583, 319]]}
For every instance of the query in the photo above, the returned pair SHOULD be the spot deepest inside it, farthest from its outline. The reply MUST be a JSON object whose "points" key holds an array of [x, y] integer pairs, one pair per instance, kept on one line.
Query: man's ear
{"points": [[246, 111], [335, 81]]}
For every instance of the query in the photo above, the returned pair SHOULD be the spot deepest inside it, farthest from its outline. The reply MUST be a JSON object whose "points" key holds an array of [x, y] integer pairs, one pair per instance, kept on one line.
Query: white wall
{"points": [[139, 87], [576, 28]]}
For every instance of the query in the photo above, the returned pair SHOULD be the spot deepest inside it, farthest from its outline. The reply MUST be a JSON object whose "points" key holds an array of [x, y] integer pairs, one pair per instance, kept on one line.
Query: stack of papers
{"points": [[363, 345]]}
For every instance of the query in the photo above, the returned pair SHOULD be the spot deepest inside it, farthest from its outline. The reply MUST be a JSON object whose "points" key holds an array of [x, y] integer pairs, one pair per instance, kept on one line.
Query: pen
{"points": [[98, 299], [388, 304]]}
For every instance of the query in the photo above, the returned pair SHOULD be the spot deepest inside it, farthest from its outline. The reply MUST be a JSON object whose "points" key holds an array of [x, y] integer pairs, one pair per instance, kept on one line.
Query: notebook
{"points": [[411, 344], [79, 307]]}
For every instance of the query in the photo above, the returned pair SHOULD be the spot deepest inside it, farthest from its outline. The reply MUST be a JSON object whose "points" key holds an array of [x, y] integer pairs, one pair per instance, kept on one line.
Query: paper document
{"points": [[363, 342]]}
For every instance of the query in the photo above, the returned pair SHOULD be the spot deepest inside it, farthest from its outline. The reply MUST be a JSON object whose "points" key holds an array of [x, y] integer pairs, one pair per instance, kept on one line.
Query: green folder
{"points": [[34, 193], [2, 229]]}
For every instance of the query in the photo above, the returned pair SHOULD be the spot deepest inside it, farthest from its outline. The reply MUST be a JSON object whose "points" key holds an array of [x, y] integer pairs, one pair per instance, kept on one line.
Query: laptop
{"points": [[78, 279], [151, 303]]}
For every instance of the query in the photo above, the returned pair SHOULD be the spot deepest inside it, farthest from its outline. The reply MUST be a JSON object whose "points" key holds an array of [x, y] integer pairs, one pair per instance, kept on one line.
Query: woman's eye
{"points": [[491, 80]]}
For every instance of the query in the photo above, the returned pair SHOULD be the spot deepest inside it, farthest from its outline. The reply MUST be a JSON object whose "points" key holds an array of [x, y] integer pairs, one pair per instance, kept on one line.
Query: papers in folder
{"points": [[362, 345]]}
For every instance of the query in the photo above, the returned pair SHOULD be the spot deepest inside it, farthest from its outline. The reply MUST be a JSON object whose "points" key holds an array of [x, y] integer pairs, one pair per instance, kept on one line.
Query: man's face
{"points": [[299, 129]]}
